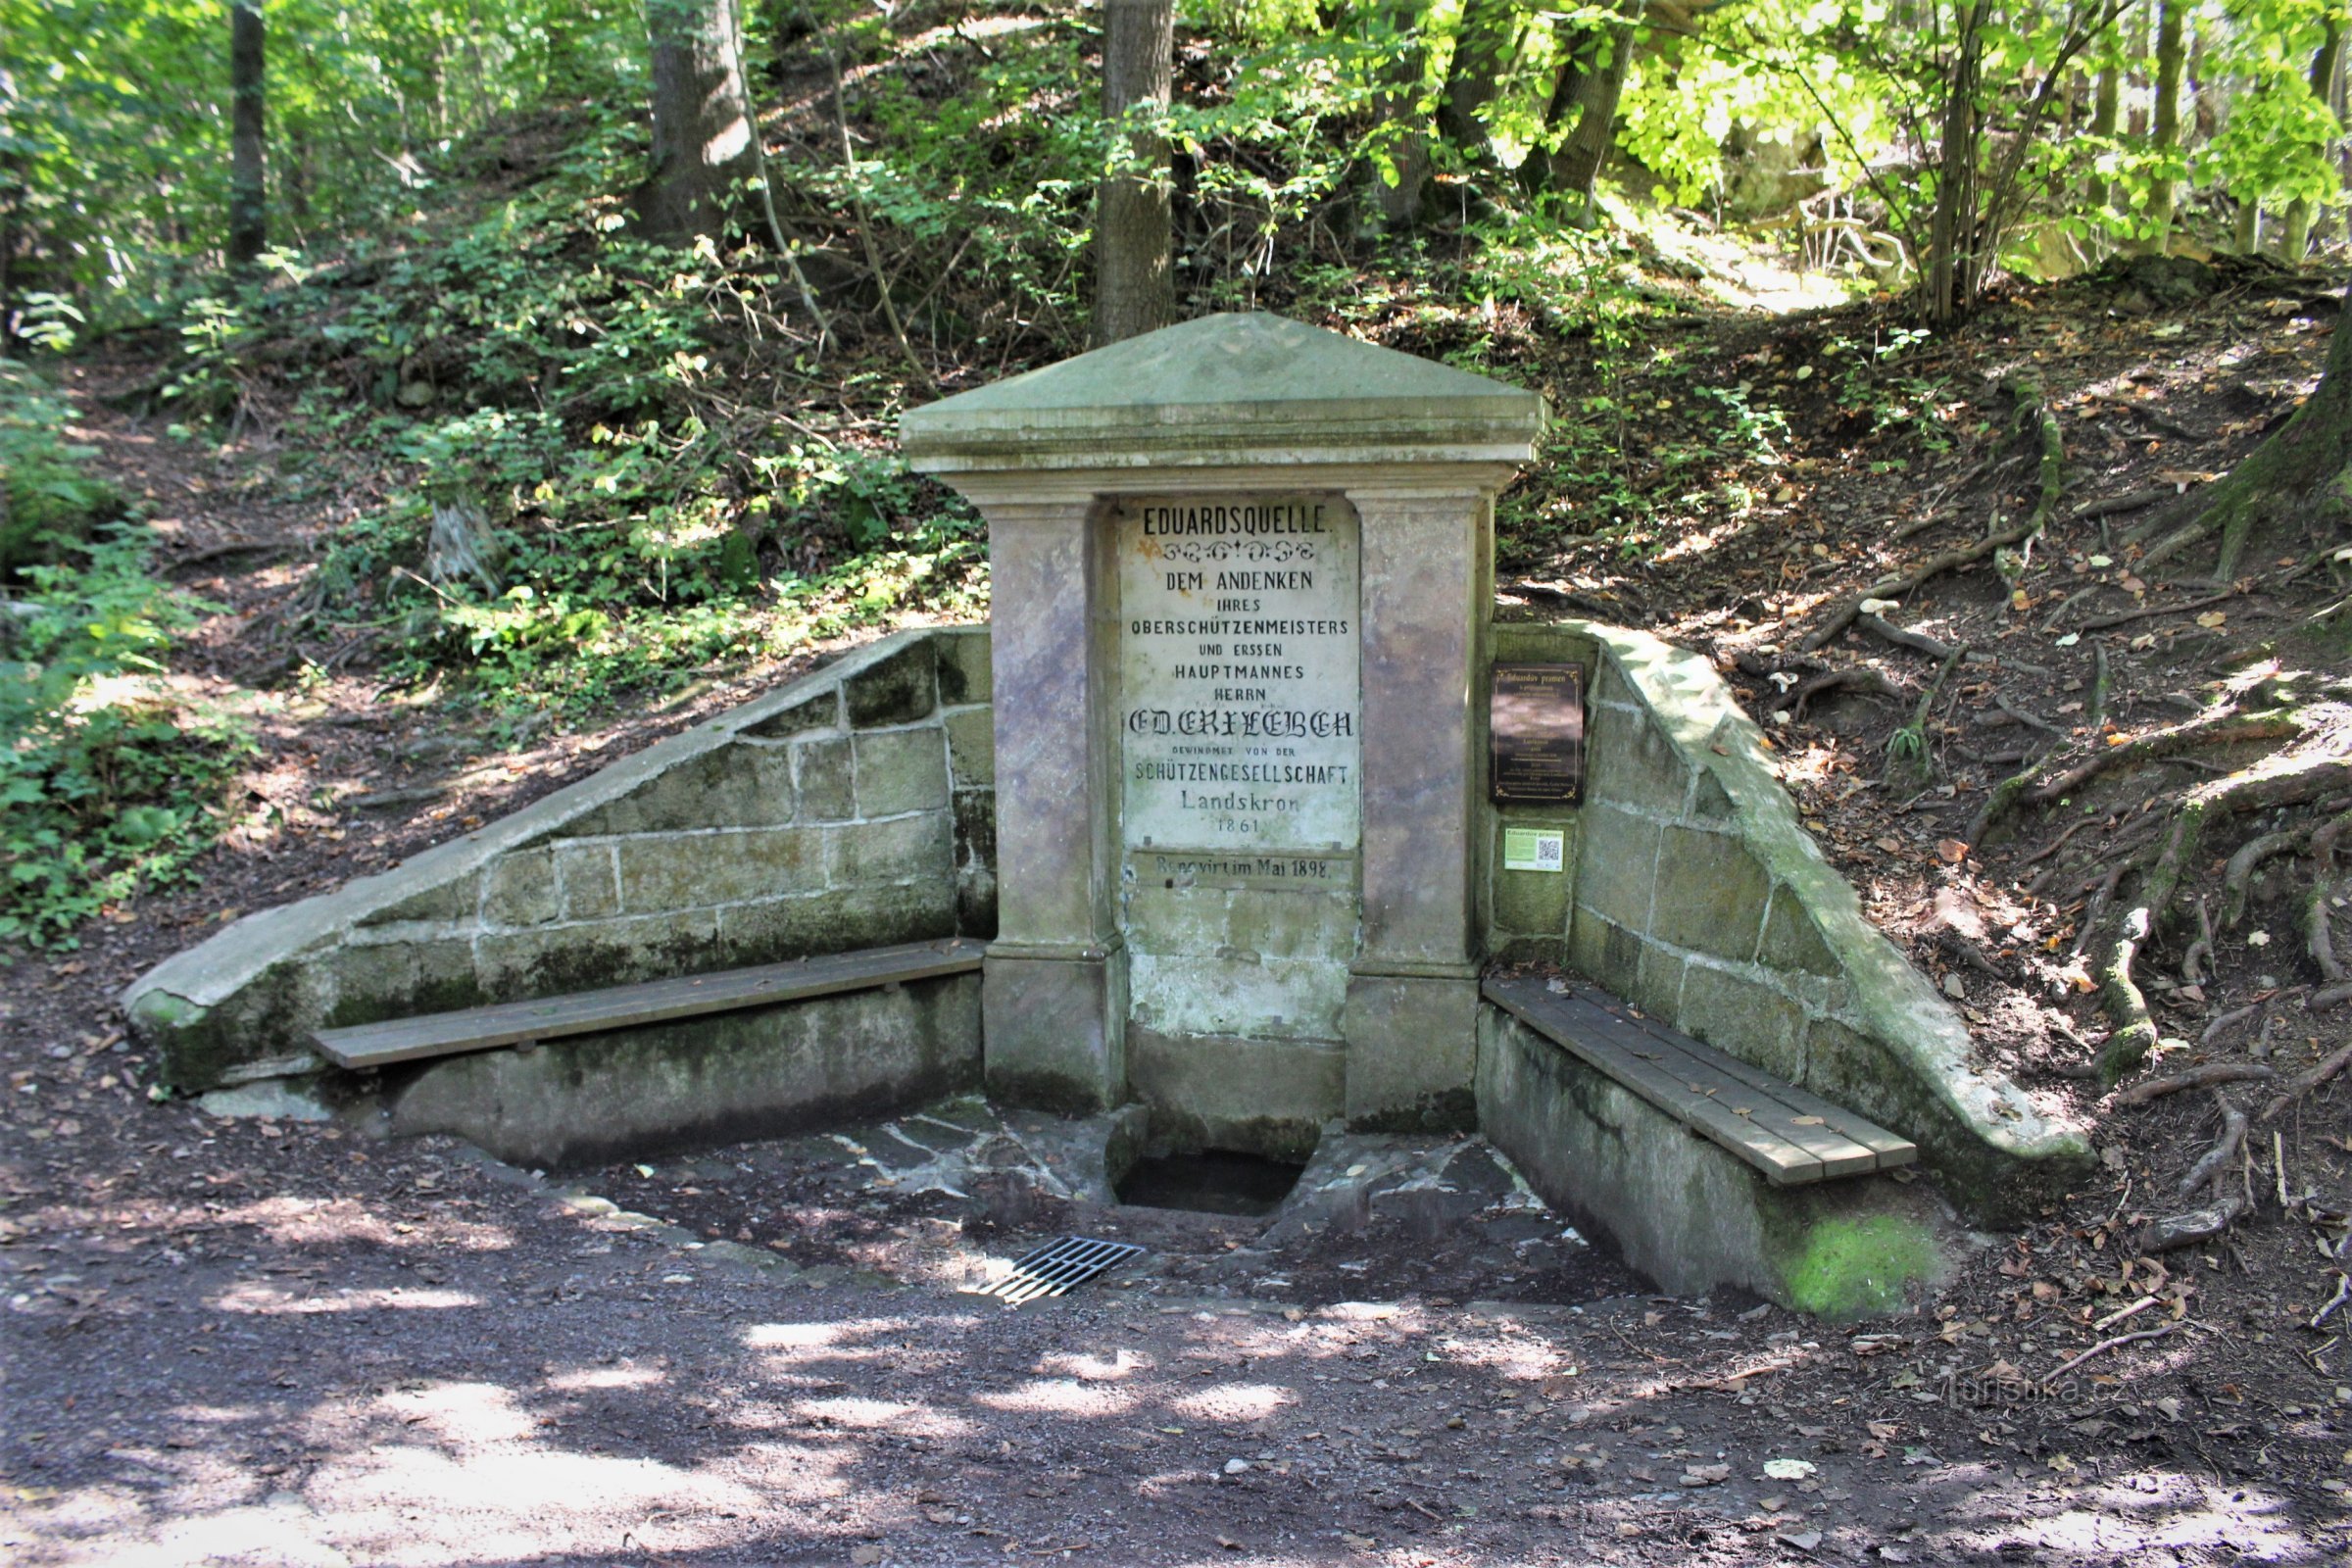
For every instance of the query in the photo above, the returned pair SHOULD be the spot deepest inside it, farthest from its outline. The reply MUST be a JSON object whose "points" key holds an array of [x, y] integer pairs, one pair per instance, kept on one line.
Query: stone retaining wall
{"points": [[851, 808], [1694, 891]]}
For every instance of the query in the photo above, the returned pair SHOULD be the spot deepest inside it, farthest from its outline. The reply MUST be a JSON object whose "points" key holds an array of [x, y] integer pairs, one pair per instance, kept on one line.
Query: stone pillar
{"points": [[1412, 993], [1054, 991], [1259, 922]]}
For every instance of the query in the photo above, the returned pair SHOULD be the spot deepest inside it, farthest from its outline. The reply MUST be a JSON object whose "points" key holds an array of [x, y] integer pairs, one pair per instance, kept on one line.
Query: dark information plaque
{"points": [[1536, 725]]}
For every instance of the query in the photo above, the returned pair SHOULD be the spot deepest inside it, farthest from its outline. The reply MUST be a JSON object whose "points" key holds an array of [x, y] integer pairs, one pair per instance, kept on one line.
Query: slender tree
{"points": [[1398, 201], [1583, 109], [2164, 134], [705, 139], [1485, 41], [1135, 287], [2106, 109], [248, 198], [2326, 80]]}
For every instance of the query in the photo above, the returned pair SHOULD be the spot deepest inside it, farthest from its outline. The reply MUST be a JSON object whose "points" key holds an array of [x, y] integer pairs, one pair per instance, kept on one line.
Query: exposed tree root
{"points": [[2144, 612], [2209, 1172], [2217, 729], [2241, 867], [2215, 1160], [2135, 1033], [2322, 885], [2305, 1082], [2187, 1229], [2205, 1077], [1858, 677], [2051, 474]]}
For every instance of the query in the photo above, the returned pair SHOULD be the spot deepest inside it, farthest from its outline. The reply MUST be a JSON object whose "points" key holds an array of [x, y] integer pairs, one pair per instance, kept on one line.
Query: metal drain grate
{"points": [[1056, 1267]]}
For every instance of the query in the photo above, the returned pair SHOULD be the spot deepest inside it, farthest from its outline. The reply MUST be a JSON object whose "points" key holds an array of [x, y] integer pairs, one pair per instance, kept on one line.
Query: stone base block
{"points": [[1691, 1215], [1257, 1096], [1056, 1027], [702, 1083], [1412, 1045]]}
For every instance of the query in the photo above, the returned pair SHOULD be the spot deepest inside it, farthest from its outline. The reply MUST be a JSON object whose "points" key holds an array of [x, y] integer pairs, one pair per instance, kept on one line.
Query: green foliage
{"points": [[48, 500], [108, 784]]}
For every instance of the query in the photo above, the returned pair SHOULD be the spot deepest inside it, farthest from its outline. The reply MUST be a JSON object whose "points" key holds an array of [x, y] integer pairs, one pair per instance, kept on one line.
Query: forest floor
{"points": [[267, 1340]]}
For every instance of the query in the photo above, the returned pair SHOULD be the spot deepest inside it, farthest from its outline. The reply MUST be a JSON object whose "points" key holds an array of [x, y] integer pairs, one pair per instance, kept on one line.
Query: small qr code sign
{"points": [[1534, 849]]}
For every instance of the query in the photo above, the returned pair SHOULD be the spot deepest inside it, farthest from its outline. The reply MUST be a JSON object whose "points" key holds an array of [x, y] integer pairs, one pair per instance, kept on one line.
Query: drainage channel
{"points": [[1209, 1181]]}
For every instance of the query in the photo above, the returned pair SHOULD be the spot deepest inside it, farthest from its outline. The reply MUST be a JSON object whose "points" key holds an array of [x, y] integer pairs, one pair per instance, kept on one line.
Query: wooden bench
{"points": [[525, 1023], [1790, 1135]]}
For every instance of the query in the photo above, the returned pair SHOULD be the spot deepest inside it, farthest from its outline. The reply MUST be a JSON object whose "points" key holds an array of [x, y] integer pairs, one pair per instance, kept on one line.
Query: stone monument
{"points": [[1241, 576]]}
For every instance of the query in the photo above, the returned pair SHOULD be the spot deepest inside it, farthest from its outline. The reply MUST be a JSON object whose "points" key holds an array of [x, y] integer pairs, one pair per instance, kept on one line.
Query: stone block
{"points": [[586, 879], [962, 655], [1742, 1018], [1531, 902], [397, 980], [557, 961], [1629, 763], [1618, 868], [707, 1082], [904, 849], [1604, 951], [898, 688], [1657, 983], [1413, 1054], [901, 770], [1708, 800], [444, 902], [820, 709], [825, 780], [1689, 1214], [1259, 1097], [726, 786], [1055, 1033], [973, 748], [519, 889], [1710, 894], [839, 921], [689, 870], [1792, 941]]}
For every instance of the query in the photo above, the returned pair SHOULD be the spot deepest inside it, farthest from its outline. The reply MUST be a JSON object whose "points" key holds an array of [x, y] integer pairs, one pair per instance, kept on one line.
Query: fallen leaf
{"points": [[1707, 1475], [1952, 852], [2212, 617], [1788, 1469]]}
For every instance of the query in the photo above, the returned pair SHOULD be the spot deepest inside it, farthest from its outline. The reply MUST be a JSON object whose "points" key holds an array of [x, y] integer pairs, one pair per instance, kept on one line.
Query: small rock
{"points": [[1236, 1467]]}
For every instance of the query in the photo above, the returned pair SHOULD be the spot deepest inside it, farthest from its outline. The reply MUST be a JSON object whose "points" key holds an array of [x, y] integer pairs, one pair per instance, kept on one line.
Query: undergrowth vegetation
{"points": [[109, 783]]}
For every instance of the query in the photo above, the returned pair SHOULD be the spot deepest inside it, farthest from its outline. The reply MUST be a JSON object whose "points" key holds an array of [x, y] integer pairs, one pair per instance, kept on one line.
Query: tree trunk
{"points": [[2302, 472], [248, 198], [1950, 276], [2327, 72], [1134, 286], [2104, 110], [1406, 136], [1590, 81], [704, 140], [2164, 137], [1484, 42]]}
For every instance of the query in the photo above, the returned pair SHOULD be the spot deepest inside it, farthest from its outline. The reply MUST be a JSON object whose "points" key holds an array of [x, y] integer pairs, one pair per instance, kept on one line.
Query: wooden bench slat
{"points": [[1891, 1149], [1794, 1137], [511, 1023], [1708, 1075], [1573, 1026], [1803, 1118]]}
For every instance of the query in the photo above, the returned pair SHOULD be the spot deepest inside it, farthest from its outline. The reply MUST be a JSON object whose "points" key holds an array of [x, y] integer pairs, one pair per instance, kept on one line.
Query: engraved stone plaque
{"points": [[1537, 734], [1238, 673]]}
